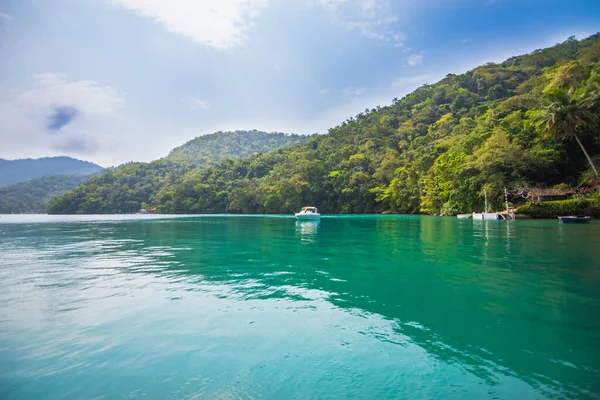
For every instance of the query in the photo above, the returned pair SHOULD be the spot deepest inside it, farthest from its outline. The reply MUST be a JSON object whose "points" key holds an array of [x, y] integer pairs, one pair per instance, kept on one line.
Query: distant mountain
{"points": [[15, 171], [134, 185], [33, 196]]}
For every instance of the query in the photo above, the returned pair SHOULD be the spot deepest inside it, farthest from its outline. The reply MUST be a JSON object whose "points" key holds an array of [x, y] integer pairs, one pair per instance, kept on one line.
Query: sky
{"points": [[112, 81]]}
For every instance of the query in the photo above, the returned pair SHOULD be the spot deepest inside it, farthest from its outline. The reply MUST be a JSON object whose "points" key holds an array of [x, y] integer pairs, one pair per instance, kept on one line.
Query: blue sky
{"points": [[112, 81]]}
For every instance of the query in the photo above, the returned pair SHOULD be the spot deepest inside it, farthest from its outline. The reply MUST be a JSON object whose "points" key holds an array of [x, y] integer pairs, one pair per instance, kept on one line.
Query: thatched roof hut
{"points": [[539, 194]]}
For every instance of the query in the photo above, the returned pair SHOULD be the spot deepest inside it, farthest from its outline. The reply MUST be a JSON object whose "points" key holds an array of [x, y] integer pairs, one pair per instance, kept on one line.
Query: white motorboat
{"points": [[308, 213]]}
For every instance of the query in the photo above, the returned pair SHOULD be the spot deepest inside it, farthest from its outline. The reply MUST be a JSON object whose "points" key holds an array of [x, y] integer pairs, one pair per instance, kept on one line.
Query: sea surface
{"points": [[265, 307]]}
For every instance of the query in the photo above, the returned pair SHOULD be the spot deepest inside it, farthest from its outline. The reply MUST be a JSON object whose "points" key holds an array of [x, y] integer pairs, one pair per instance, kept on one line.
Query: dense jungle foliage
{"points": [[434, 151], [33, 196], [131, 186], [552, 209]]}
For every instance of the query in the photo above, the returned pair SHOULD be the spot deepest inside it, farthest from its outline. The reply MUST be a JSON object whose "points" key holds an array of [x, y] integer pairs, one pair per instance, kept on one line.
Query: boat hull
{"points": [[311, 216], [486, 216], [574, 220], [494, 216]]}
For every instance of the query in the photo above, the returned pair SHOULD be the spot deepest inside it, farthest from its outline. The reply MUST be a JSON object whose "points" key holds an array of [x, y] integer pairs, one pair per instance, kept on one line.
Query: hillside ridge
{"points": [[24, 169], [434, 151], [134, 185]]}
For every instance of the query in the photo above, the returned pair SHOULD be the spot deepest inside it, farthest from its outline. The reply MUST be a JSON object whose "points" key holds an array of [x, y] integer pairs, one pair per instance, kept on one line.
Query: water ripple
{"points": [[248, 307]]}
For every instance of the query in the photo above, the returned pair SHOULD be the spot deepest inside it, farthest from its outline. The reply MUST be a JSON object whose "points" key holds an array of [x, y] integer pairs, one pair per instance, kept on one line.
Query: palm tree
{"points": [[590, 99], [564, 113]]}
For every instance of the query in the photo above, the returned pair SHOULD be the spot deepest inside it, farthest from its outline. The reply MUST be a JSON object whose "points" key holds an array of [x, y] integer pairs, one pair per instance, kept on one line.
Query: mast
{"points": [[486, 204], [506, 199]]}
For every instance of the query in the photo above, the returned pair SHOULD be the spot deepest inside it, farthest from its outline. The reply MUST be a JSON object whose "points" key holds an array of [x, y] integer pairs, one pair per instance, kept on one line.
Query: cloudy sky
{"points": [[112, 81]]}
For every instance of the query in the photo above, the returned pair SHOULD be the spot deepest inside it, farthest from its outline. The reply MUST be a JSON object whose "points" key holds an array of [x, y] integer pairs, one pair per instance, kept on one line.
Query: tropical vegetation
{"points": [[567, 110], [434, 151], [133, 186], [553, 209], [32, 197]]}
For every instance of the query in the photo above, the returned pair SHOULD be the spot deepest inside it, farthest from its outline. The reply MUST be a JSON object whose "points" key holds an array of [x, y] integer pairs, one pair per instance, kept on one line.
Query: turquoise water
{"points": [[265, 307]]}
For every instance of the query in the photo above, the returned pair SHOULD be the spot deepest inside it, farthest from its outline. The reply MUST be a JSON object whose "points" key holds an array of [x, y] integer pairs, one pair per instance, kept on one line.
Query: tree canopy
{"points": [[133, 186], [33, 196], [434, 151], [565, 112]]}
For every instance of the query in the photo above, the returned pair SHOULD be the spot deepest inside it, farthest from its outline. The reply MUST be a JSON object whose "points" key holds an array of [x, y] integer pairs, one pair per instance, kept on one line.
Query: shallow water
{"points": [[267, 307]]}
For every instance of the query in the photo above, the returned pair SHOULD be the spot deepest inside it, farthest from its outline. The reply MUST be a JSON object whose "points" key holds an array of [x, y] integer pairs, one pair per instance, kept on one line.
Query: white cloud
{"points": [[415, 59], [374, 19], [196, 103], [368, 5], [4, 16], [27, 116], [222, 24], [399, 39], [89, 97], [329, 5], [353, 91]]}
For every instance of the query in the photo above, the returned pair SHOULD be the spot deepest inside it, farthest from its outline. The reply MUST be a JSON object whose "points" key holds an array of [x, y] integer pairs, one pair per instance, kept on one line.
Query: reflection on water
{"points": [[493, 231], [307, 230], [241, 307]]}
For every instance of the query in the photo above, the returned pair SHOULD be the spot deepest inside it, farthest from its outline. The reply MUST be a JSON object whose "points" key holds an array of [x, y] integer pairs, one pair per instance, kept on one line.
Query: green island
{"points": [[528, 122]]}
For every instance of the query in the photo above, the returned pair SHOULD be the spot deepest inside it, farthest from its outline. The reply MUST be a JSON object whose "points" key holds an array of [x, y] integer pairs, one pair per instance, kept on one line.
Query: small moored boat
{"points": [[572, 219], [505, 215], [464, 216], [308, 213]]}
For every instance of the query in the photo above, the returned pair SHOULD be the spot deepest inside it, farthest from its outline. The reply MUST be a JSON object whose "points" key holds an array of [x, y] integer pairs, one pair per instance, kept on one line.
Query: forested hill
{"points": [[134, 185], [434, 151], [210, 149], [15, 171], [32, 197]]}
